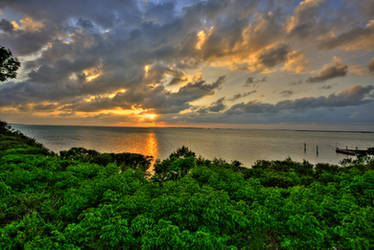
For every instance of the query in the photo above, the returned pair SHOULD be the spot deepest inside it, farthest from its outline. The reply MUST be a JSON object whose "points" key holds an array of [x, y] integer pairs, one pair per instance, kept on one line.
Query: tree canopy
{"points": [[82, 199], [8, 65]]}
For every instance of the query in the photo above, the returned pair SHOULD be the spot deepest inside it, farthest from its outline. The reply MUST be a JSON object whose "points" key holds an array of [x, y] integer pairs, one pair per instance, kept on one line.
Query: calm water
{"points": [[246, 146]]}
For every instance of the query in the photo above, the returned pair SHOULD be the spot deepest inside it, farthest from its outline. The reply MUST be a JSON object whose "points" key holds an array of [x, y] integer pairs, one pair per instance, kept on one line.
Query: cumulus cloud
{"points": [[304, 18], [274, 56], [154, 56], [214, 107], [329, 72], [218, 105], [356, 95], [155, 98], [358, 38]]}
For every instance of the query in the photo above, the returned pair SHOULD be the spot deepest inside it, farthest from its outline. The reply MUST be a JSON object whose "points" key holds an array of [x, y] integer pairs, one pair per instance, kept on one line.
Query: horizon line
{"points": [[197, 127]]}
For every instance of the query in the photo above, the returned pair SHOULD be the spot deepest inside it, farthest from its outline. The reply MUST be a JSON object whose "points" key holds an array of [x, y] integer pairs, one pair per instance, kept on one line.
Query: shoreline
{"points": [[206, 128]]}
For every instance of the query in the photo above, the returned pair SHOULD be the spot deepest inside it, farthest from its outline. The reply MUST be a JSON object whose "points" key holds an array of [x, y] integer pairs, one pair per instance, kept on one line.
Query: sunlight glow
{"points": [[147, 68], [148, 116], [92, 73], [202, 36], [152, 150], [112, 95], [135, 113], [15, 25], [107, 95]]}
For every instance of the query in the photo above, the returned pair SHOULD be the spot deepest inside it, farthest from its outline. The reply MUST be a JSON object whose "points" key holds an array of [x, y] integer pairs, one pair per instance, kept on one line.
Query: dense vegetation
{"points": [[84, 199]]}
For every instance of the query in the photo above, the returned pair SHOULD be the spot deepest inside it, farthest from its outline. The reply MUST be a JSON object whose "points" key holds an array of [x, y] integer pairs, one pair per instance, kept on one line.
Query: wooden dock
{"points": [[347, 151]]}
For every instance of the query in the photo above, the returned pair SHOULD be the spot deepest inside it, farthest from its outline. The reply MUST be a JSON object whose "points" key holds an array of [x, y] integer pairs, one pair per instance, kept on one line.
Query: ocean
{"points": [[244, 145]]}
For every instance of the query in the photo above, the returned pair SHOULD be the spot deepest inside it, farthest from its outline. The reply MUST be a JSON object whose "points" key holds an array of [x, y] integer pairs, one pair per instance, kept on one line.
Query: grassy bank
{"points": [[83, 199]]}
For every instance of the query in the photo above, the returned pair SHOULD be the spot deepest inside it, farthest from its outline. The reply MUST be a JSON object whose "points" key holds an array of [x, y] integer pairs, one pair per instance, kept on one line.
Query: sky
{"points": [[199, 63]]}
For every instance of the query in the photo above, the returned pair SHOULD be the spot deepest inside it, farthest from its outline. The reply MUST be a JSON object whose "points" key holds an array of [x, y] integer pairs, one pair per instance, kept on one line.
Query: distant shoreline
{"points": [[213, 128]]}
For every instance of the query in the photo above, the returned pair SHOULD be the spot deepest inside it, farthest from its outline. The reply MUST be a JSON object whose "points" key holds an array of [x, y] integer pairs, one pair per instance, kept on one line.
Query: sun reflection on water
{"points": [[151, 148]]}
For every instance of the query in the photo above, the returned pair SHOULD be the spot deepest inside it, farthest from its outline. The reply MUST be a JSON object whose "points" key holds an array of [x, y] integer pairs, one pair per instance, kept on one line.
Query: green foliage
{"points": [[123, 159], [85, 199], [8, 65]]}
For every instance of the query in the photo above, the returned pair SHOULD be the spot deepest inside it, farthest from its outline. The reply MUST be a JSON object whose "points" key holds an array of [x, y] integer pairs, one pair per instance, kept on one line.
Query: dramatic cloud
{"points": [[304, 19], [353, 96], [337, 70], [214, 107], [274, 56], [143, 61], [359, 38]]}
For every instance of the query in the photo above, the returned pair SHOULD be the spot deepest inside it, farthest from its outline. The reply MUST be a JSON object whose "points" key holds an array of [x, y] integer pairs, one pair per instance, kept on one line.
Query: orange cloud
{"points": [[202, 36], [92, 73]]}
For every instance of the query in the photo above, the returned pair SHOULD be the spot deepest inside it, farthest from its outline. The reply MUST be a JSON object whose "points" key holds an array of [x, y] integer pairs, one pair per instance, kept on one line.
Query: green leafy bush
{"points": [[86, 199]]}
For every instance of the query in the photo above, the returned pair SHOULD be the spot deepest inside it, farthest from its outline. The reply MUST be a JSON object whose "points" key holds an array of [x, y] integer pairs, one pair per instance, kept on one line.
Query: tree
{"points": [[8, 64]]}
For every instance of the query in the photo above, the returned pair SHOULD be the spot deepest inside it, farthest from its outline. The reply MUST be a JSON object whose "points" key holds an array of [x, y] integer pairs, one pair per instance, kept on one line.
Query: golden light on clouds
{"points": [[148, 116], [296, 62], [202, 36], [107, 95], [15, 25], [28, 24], [147, 68], [92, 73], [137, 114], [112, 95]]}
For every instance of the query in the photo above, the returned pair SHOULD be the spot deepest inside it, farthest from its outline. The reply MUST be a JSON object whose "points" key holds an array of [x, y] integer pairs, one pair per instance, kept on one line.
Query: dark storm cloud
{"points": [[337, 70]]}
